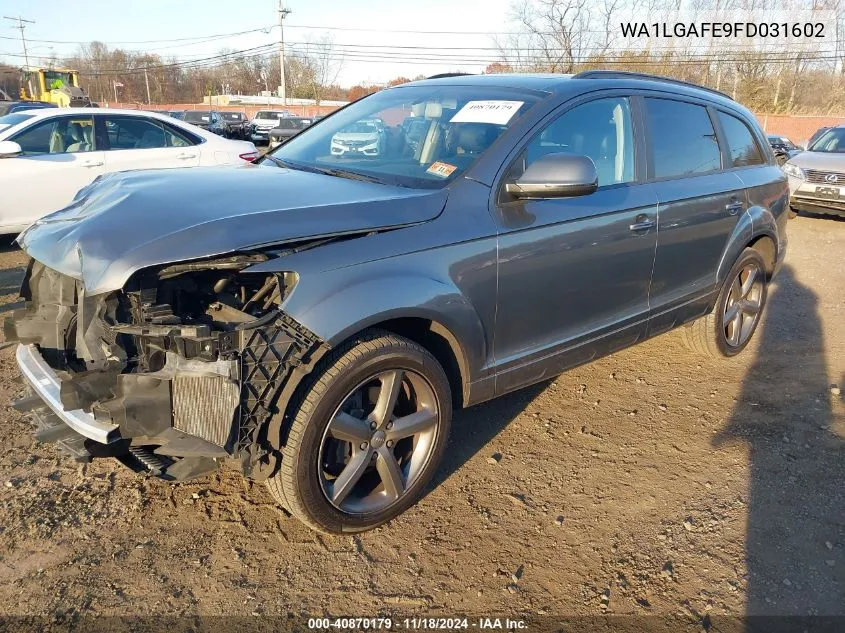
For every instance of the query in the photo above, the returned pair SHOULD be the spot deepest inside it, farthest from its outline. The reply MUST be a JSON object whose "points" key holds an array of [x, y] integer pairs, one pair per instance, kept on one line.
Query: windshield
{"points": [[293, 124], [197, 116], [416, 136], [832, 141], [267, 114], [13, 119], [233, 116], [362, 127], [54, 79]]}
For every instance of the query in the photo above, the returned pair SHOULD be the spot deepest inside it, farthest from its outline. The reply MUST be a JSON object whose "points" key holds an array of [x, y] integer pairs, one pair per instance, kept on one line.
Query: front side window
{"points": [[741, 144], [127, 132], [452, 127], [683, 142], [66, 135], [601, 130]]}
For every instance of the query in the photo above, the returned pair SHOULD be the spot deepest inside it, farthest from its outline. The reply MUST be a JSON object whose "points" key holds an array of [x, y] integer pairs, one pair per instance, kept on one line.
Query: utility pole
{"points": [[21, 27], [147, 81], [283, 13]]}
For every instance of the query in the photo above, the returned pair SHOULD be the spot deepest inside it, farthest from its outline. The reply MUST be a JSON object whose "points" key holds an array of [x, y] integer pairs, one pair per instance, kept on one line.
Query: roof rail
{"points": [[445, 75], [624, 74]]}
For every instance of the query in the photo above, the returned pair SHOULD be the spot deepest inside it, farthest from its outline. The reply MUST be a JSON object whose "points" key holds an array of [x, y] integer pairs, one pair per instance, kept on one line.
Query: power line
{"points": [[265, 29]]}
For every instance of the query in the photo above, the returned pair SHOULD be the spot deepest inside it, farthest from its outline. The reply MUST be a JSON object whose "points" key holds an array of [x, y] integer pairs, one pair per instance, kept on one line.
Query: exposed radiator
{"points": [[205, 406]]}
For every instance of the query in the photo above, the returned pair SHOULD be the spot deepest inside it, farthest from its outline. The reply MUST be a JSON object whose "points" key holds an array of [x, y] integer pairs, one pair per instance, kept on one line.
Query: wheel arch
{"points": [[443, 345], [757, 229], [427, 308]]}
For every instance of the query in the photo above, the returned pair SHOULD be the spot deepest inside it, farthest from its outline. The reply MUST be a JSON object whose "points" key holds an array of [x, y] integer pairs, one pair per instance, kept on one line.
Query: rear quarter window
{"points": [[742, 147], [682, 139]]}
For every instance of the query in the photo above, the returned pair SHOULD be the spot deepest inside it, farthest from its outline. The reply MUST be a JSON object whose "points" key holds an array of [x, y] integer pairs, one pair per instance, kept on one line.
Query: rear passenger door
{"points": [[139, 142], [699, 203]]}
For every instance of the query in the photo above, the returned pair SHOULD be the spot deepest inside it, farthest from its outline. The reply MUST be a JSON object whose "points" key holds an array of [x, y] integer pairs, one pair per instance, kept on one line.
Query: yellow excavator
{"points": [[54, 85]]}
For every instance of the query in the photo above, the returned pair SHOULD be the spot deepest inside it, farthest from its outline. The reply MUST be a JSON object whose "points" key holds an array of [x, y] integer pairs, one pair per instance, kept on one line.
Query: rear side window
{"points": [[177, 137], [126, 132], [741, 145], [683, 141]]}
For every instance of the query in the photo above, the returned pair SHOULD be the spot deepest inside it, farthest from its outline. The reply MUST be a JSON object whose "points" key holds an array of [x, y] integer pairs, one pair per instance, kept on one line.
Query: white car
{"points": [[264, 121], [47, 155], [364, 138]]}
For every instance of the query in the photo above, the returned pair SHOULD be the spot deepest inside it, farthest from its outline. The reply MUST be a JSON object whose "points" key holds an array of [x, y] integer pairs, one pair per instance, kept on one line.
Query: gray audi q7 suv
{"points": [[313, 320]]}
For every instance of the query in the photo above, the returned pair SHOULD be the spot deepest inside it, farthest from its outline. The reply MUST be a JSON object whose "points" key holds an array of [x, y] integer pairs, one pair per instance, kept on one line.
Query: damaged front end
{"points": [[181, 370]]}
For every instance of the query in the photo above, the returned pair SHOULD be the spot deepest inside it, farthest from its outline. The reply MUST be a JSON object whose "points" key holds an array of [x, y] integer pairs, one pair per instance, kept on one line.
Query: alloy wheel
{"points": [[742, 308], [378, 441]]}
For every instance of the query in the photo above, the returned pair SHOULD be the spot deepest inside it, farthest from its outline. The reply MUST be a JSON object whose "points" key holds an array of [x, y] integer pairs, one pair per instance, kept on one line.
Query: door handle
{"points": [[642, 223], [734, 207], [93, 163], [185, 156]]}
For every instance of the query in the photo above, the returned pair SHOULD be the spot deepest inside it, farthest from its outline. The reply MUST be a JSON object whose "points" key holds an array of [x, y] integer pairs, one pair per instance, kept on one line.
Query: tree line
{"points": [[558, 36]]}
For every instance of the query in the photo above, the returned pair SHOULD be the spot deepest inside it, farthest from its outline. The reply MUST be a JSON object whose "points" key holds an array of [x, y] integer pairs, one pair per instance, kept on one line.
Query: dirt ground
{"points": [[649, 482]]}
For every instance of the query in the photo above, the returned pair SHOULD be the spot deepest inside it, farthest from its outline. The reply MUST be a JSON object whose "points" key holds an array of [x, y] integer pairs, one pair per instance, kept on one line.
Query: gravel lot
{"points": [[650, 482]]}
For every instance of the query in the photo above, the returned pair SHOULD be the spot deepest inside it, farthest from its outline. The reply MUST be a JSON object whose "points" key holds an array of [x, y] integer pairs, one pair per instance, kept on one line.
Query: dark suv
{"points": [[317, 333]]}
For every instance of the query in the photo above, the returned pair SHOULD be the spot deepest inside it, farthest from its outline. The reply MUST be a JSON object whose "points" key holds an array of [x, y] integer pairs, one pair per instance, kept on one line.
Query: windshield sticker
{"points": [[496, 112], [442, 170]]}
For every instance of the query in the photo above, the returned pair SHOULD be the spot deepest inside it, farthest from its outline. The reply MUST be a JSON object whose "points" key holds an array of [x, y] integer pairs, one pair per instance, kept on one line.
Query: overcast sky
{"points": [[126, 23]]}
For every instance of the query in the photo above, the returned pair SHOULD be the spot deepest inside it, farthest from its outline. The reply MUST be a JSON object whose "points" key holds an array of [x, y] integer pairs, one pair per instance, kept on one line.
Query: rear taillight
{"points": [[251, 157]]}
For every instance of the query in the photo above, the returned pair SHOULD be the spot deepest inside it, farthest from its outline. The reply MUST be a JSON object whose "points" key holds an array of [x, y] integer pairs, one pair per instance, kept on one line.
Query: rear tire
{"points": [[348, 463], [729, 327]]}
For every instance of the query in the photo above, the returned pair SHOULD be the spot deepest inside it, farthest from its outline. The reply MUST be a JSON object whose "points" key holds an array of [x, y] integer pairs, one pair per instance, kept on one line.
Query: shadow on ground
{"points": [[796, 499], [474, 428]]}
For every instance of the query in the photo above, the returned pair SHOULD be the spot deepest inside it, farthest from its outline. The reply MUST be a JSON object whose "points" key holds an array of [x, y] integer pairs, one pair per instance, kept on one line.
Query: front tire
{"points": [[728, 329], [368, 432]]}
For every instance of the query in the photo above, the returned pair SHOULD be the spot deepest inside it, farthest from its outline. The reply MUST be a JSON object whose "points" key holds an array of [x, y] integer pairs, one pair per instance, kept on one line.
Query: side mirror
{"points": [[9, 149], [556, 176]]}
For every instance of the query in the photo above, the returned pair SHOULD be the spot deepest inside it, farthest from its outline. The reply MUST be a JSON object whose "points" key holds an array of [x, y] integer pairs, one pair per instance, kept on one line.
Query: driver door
{"points": [[574, 273]]}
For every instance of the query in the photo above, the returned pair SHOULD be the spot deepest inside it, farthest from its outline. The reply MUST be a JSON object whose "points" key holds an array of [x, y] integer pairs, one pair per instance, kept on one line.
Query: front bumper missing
{"points": [[46, 384], [190, 411]]}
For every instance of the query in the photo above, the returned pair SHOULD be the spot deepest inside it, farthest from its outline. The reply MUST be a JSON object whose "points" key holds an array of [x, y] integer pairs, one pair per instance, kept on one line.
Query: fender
{"points": [[340, 311]]}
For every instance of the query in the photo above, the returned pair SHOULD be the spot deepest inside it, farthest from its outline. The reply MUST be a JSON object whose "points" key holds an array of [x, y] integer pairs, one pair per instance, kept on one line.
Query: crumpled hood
{"points": [[124, 222]]}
